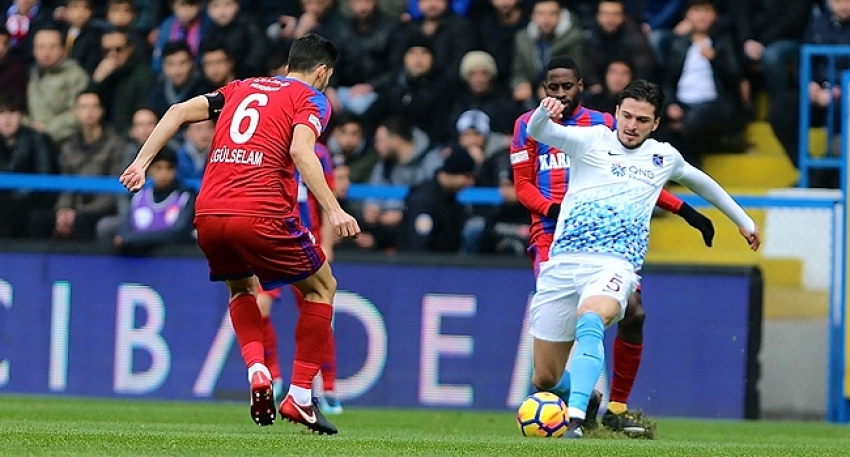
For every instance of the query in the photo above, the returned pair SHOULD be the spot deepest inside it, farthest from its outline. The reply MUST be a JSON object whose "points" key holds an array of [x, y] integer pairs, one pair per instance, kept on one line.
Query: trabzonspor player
{"points": [[246, 214], [602, 234], [541, 178]]}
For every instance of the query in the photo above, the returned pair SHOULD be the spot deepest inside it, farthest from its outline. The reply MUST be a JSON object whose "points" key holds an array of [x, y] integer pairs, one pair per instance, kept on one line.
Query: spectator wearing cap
{"points": [[481, 90], [433, 218], [474, 136], [418, 93], [159, 214], [490, 151], [450, 36]]}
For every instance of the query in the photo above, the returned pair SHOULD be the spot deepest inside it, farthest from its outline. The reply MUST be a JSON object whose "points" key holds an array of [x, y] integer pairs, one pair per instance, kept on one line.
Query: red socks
{"points": [[312, 332], [626, 364], [270, 348], [329, 365], [248, 326]]}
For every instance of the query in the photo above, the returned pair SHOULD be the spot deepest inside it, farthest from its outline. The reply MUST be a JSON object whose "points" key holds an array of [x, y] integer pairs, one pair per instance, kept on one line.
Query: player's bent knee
{"points": [[237, 287], [320, 287], [606, 307]]}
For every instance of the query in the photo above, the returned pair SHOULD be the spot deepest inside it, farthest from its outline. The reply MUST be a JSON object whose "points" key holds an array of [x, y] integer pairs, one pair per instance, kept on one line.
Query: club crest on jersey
{"points": [[658, 160], [618, 170]]}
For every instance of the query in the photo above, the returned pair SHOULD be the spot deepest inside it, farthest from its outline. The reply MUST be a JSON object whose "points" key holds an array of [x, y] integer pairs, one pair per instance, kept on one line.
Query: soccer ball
{"points": [[542, 415]]}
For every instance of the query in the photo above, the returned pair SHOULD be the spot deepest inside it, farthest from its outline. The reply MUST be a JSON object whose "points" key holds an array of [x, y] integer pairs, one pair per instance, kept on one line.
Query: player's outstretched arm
{"points": [[709, 189], [308, 164], [572, 140], [193, 110]]}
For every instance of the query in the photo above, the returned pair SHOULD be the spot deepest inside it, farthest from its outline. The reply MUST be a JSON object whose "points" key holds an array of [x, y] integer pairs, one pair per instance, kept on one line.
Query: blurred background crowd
{"points": [[425, 95]]}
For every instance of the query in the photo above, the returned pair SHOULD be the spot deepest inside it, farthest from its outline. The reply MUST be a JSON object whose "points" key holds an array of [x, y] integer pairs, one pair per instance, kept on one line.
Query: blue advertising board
{"points": [[407, 335]]}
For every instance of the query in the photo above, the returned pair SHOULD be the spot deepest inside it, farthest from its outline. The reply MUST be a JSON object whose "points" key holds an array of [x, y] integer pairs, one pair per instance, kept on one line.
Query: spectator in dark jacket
{"points": [[449, 37], [769, 33], [22, 150], [433, 218], [93, 150], [702, 86], [418, 93], [363, 67], [121, 79], [614, 34], [82, 34], [497, 30], [14, 74], [241, 35], [831, 27], [180, 80], [618, 74]]}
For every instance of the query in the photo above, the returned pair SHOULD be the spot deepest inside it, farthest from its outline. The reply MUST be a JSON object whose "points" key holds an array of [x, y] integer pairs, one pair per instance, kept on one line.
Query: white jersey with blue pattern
{"points": [[612, 193]]}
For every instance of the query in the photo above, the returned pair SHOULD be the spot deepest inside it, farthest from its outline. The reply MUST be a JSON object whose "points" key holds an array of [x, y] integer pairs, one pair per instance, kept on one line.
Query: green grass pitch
{"points": [[38, 425]]}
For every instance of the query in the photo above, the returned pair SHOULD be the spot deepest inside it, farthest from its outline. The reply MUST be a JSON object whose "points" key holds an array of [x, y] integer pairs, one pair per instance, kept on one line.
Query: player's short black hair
{"points": [[310, 51], [89, 92], [399, 126], [174, 47], [12, 102], [693, 3], [129, 3], [644, 91], [215, 46], [345, 117], [565, 63]]}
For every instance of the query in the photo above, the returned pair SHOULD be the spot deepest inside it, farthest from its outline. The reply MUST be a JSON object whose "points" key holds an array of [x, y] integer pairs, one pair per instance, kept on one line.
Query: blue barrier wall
{"points": [[407, 335]]}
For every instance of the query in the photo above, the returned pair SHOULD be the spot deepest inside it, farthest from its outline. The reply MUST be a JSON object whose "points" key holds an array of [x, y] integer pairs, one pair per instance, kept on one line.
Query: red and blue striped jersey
{"points": [[309, 209], [541, 172]]}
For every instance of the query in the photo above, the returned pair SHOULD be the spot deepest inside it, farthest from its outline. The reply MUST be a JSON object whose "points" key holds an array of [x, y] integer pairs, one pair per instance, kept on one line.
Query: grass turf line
{"points": [[80, 426]]}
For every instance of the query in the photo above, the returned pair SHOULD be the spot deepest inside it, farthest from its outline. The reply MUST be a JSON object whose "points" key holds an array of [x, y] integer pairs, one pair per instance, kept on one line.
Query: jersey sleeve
{"points": [[573, 140], [669, 201], [217, 98], [523, 158], [315, 113]]}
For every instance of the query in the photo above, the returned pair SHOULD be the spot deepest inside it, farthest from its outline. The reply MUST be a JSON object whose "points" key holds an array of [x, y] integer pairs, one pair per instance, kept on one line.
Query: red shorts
{"points": [[279, 250], [539, 250]]}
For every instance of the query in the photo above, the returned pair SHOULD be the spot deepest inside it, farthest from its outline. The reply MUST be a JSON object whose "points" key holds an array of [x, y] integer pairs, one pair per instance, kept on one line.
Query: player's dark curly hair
{"points": [[310, 51], [644, 91], [565, 63]]}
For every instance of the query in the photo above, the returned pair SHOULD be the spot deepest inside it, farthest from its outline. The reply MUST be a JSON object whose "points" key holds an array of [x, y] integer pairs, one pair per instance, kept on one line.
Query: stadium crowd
{"points": [[425, 95]]}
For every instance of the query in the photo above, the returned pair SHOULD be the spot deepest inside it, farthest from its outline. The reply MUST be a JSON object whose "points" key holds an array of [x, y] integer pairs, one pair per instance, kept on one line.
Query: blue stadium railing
{"points": [[472, 196], [808, 53]]}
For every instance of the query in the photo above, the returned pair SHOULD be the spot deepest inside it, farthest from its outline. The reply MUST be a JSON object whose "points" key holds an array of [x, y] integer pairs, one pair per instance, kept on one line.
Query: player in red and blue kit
{"points": [[312, 218], [541, 178], [246, 212]]}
